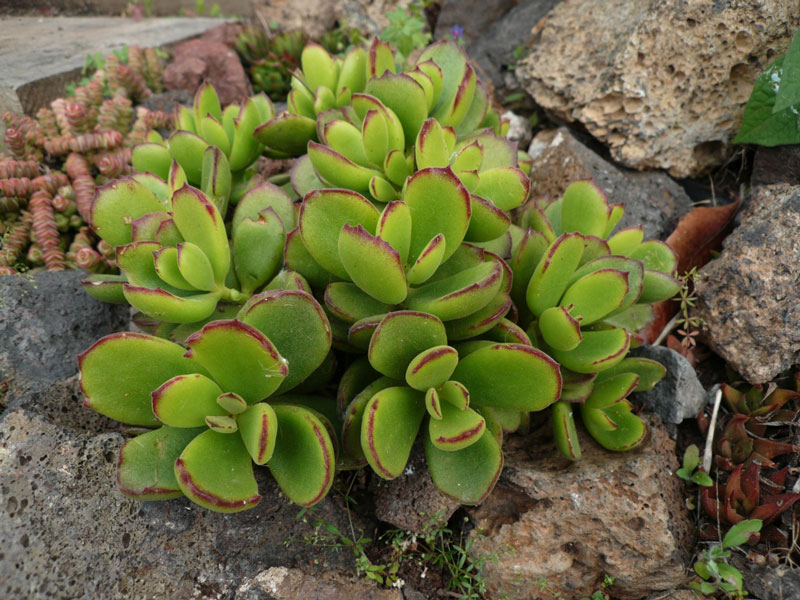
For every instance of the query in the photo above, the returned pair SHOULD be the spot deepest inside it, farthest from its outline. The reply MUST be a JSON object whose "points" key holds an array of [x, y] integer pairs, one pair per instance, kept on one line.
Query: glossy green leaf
{"points": [[169, 307], [400, 337], [505, 187], [372, 264], [151, 158], [552, 275], [287, 133], [216, 472], [199, 222], [564, 431], [338, 170], [117, 204], [596, 295], [559, 329], [258, 427], [658, 286], [584, 209], [431, 148], [459, 295], [629, 432], [597, 351], [394, 227], [194, 266], [457, 429], [612, 390], [403, 96], [649, 371], [107, 288], [146, 464], [760, 125], [187, 148], [454, 393], [487, 223], [510, 376], [431, 367], [240, 358], [186, 400], [428, 261]]}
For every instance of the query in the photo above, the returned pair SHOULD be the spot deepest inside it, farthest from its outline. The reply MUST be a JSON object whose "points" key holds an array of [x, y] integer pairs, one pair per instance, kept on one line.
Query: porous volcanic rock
{"points": [[196, 61], [652, 199], [558, 527], [280, 583], [662, 83], [66, 532], [748, 298]]}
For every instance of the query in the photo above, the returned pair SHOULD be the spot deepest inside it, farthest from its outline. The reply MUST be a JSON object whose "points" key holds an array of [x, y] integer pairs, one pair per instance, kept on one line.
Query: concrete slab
{"points": [[39, 55]]}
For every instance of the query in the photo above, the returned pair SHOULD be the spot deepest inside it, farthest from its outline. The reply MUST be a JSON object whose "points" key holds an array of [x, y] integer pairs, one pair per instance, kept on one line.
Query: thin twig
{"points": [[708, 452], [672, 324]]}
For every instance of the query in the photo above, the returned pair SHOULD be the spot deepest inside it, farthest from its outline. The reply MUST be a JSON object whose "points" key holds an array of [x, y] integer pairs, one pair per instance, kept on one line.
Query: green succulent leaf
{"points": [[454, 393], [258, 427], [564, 431], [460, 295], [303, 461], [584, 209], [394, 227], [456, 429], [612, 390], [432, 367], [200, 222], [403, 96], [297, 258], [468, 475], [431, 147], [258, 249], [650, 372], [553, 273], [351, 304], [428, 261], [505, 187], [216, 472], [287, 134], [487, 223], [510, 376], [596, 295], [166, 306], [239, 357], [390, 423], [104, 287], [186, 400], [626, 240], [372, 264], [146, 465], [598, 350], [117, 204], [658, 286], [119, 372], [626, 429], [187, 149], [400, 337], [559, 328], [151, 158]]}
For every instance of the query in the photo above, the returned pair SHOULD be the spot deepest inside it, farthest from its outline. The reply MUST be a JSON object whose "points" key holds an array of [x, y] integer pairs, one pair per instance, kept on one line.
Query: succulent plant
{"points": [[582, 293], [208, 403]]}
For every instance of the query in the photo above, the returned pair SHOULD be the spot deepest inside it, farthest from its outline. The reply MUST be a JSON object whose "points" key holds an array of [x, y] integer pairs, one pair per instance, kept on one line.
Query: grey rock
{"points": [[652, 199], [411, 501], [572, 523], [662, 83], [494, 50], [475, 17], [67, 533], [748, 298], [679, 395], [776, 165], [519, 129], [45, 321], [780, 582]]}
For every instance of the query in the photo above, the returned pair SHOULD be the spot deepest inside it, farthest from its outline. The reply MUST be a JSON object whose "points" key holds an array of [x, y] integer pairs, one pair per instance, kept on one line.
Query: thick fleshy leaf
{"points": [[199, 222], [403, 96], [146, 465], [564, 432], [432, 404], [288, 280], [400, 337], [481, 320], [597, 351], [287, 133], [303, 177], [657, 286], [258, 250], [167, 233], [232, 404], [186, 400], [396, 167], [216, 472], [469, 475], [357, 376], [428, 261], [117, 204], [296, 324], [456, 429], [239, 357], [297, 258], [338, 170], [346, 140], [119, 372], [510, 376], [459, 295], [261, 197], [656, 256], [360, 334], [454, 393], [169, 307], [432, 367], [505, 187], [187, 148], [352, 452], [375, 137], [194, 266], [431, 148], [439, 203], [349, 303], [633, 268], [629, 432], [524, 258], [506, 331], [394, 227], [222, 424], [391, 420], [372, 264], [144, 228], [552, 275], [596, 295], [151, 158], [649, 371], [584, 209], [213, 132], [559, 329], [593, 247], [487, 223], [258, 427], [322, 216], [179, 333], [303, 461], [612, 390], [107, 288], [626, 240]]}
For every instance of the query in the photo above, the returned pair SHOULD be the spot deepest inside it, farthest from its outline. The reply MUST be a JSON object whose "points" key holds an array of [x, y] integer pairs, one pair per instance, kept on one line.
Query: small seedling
{"points": [[689, 471], [713, 567]]}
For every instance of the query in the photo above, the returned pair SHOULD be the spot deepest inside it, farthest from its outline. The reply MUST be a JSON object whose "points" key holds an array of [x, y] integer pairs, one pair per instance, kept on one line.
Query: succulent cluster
{"points": [[399, 265], [47, 186], [756, 485]]}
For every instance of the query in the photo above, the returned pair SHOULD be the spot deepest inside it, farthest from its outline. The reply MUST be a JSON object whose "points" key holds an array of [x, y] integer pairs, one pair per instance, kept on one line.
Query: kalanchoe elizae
{"points": [[209, 404], [582, 294]]}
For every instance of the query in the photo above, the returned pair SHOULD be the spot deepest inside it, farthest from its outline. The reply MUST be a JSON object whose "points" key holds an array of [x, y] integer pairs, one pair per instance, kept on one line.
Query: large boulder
{"points": [[748, 298], [196, 61], [556, 528], [662, 83]]}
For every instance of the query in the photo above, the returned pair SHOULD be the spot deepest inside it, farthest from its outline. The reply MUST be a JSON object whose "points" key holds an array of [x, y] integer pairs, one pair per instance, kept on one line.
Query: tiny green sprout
{"points": [[691, 459], [713, 567]]}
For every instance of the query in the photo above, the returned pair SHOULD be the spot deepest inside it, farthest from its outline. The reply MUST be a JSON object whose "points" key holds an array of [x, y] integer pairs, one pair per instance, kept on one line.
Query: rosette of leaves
{"points": [[271, 58], [208, 410], [581, 293], [206, 125], [462, 400], [176, 261]]}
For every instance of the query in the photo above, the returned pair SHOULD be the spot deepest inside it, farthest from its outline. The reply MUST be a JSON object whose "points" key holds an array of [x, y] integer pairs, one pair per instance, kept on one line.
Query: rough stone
{"points": [[475, 17], [776, 165], [368, 16], [45, 321], [196, 61], [748, 298], [67, 533], [519, 129], [280, 583], [678, 396], [652, 200], [411, 501], [494, 51], [662, 83], [570, 524], [779, 582], [315, 17]]}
